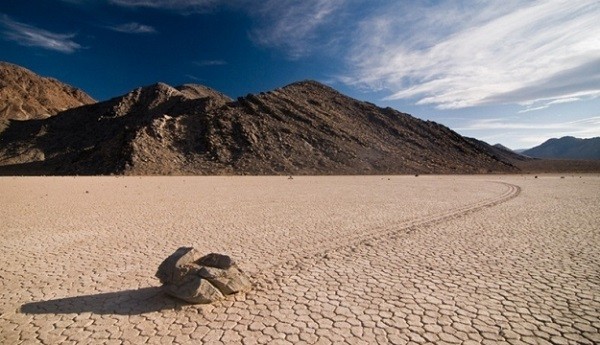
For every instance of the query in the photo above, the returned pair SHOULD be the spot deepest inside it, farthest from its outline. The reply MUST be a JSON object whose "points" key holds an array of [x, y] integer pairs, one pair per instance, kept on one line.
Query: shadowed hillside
{"points": [[303, 128]]}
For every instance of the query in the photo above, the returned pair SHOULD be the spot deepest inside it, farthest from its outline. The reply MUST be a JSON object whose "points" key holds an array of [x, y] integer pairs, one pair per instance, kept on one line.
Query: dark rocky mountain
{"points": [[25, 95], [303, 128], [502, 147], [567, 148]]}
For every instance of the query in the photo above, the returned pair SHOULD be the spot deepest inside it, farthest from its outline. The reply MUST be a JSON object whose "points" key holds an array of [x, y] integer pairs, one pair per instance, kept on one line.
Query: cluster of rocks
{"points": [[194, 278]]}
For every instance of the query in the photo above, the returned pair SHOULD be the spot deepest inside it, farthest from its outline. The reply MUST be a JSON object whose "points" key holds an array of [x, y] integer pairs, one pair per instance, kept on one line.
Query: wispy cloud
{"points": [[501, 123], [181, 5], [520, 133], [193, 77], [458, 54], [133, 28], [546, 104], [571, 85], [297, 27], [205, 63], [293, 25], [31, 36]]}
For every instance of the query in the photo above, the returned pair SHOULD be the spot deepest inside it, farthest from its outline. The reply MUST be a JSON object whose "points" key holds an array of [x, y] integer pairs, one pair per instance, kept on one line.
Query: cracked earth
{"points": [[357, 260]]}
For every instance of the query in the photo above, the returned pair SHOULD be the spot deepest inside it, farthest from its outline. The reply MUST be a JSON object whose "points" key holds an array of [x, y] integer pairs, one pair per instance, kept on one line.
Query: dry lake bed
{"points": [[493, 259]]}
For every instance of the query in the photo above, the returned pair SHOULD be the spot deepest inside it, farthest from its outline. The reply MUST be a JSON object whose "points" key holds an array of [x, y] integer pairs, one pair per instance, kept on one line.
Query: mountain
{"points": [[498, 151], [25, 95], [567, 148], [502, 147], [302, 128]]}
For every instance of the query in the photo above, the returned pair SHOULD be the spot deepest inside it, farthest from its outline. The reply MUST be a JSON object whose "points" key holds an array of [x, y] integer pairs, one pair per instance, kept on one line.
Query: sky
{"points": [[515, 72]]}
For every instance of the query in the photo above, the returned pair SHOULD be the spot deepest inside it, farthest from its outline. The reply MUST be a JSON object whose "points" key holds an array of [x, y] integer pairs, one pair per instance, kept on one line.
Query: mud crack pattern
{"points": [[451, 260]]}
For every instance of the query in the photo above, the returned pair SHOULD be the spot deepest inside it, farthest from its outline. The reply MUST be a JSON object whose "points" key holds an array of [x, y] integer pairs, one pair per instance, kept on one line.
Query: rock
{"points": [[175, 266], [193, 278], [228, 281], [194, 290], [216, 260]]}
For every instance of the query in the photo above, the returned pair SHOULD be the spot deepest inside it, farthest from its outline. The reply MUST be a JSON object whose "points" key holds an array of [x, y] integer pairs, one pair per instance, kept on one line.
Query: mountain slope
{"points": [[567, 148], [25, 95], [303, 128], [498, 151]]}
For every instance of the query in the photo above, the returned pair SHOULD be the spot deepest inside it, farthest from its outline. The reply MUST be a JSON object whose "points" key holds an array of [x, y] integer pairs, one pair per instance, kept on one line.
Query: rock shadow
{"points": [[128, 302]]}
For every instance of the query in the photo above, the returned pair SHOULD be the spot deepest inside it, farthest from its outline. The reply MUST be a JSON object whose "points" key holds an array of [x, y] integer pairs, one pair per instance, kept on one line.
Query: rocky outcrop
{"points": [[25, 95], [193, 278]]}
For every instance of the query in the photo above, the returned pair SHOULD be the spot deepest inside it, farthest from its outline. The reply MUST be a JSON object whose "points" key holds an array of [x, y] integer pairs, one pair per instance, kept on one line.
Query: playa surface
{"points": [[371, 259]]}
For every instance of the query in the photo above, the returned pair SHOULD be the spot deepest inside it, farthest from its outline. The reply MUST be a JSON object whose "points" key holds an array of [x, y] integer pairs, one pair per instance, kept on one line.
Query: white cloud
{"points": [[501, 123], [184, 5], [205, 63], [133, 28], [459, 54], [520, 134], [31, 36], [193, 77], [566, 99], [293, 25]]}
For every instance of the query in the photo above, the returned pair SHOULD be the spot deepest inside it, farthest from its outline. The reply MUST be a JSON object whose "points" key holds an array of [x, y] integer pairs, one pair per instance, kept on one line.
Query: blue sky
{"points": [[515, 72]]}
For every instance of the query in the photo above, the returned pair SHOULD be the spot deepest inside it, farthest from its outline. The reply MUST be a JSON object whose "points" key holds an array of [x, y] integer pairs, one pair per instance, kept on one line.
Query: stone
{"points": [[187, 275], [173, 268], [216, 261], [195, 290], [228, 281]]}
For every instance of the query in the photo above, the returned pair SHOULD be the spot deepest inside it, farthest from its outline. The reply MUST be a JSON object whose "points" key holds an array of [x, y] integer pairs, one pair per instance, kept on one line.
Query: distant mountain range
{"points": [[566, 148], [303, 128]]}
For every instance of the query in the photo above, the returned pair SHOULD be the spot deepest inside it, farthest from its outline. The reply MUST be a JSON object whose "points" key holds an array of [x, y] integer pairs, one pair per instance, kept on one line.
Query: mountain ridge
{"points": [[567, 147], [302, 128]]}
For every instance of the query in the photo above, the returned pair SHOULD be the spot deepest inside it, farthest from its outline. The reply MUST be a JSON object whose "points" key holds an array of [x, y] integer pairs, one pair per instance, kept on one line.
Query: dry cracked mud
{"points": [[358, 260]]}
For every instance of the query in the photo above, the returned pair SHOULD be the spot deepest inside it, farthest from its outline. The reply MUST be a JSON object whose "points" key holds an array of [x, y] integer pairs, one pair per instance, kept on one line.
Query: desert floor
{"points": [[375, 259]]}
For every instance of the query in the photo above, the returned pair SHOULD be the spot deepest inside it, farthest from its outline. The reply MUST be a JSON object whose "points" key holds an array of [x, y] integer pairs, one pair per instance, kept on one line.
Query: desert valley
{"points": [[358, 224], [339, 259]]}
